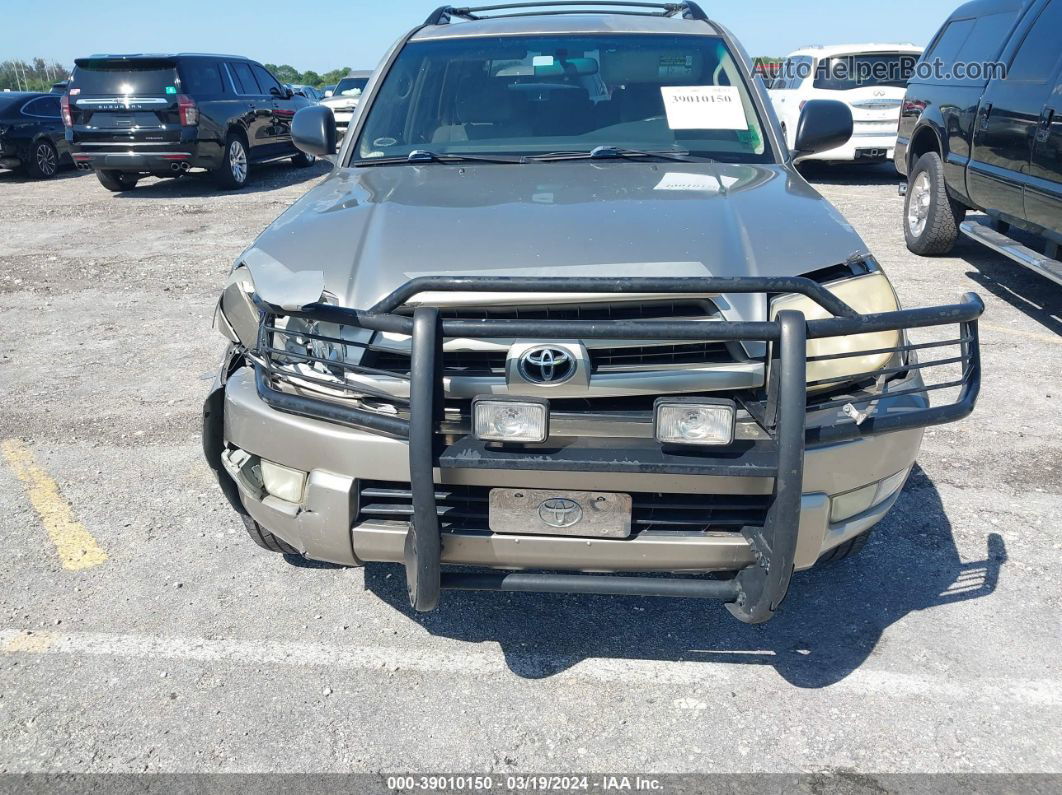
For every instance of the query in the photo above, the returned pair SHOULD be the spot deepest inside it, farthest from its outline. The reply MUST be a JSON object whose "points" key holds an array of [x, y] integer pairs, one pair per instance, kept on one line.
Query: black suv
{"points": [[128, 116], [991, 143]]}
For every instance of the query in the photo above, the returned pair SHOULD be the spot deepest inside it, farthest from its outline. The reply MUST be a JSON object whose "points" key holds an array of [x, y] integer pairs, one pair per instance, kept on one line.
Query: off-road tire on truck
{"points": [[265, 539], [848, 549], [941, 215], [117, 181]]}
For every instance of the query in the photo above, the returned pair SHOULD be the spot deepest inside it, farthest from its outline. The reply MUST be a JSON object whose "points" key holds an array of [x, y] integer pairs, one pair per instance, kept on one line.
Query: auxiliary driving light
{"points": [[694, 421], [498, 420]]}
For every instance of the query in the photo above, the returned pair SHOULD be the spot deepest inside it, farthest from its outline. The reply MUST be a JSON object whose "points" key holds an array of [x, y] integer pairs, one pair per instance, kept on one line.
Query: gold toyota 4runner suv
{"points": [[564, 314]]}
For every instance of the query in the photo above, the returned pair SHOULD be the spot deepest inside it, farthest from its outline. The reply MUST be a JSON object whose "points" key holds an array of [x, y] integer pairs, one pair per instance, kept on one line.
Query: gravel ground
{"points": [[191, 650]]}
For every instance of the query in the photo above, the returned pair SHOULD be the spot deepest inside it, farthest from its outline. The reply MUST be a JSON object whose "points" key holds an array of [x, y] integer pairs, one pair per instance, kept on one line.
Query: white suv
{"points": [[869, 78], [344, 99]]}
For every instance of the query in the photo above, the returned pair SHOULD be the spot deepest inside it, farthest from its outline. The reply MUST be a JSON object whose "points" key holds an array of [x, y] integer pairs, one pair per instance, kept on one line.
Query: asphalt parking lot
{"points": [[174, 644]]}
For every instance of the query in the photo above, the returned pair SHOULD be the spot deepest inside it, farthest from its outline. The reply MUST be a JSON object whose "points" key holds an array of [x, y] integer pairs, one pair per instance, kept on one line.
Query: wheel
{"points": [[931, 217], [117, 181], [303, 160], [848, 549], [43, 160], [235, 165], [265, 539]]}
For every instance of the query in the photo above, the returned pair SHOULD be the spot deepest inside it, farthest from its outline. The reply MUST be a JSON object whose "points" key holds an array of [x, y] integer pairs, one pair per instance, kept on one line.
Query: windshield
{"points": [[865, 71], [533, 95], [350, 87]]}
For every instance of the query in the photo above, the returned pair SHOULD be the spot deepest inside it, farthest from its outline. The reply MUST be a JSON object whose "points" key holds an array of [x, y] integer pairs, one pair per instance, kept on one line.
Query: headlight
{"points": [[326, 343], [869, 294], [313, 345]]}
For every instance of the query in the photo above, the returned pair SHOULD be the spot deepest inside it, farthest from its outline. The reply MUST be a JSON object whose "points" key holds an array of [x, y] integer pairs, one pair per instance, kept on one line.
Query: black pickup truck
{"points": [[992, 142]]}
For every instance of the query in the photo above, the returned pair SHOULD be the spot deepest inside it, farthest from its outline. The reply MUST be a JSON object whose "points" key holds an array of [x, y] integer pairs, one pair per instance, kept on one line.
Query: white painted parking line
{"points": [[479, 663], [1032, 335]]}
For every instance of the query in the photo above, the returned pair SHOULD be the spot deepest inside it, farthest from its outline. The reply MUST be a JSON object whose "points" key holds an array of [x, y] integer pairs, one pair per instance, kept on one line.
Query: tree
{"points": [[333, 77], [36, 76]]}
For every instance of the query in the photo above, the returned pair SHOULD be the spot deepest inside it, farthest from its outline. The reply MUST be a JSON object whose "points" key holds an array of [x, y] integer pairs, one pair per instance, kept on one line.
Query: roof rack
{"points": [[688, 10]]}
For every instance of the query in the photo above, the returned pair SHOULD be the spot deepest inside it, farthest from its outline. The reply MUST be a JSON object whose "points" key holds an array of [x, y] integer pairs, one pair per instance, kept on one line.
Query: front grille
{"points": [[637, 357], [614, 310], [464, 508]]}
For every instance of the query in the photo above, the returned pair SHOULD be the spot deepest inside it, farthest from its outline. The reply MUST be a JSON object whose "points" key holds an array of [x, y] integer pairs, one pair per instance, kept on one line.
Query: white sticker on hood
{"points": [[704, 108]]}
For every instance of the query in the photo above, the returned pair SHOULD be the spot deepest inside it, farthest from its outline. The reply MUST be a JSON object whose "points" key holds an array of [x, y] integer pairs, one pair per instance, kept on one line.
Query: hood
{"points": [[364, 231]]}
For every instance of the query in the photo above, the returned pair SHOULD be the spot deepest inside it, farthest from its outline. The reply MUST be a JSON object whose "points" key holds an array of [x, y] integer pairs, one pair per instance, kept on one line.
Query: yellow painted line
{"points": [[1030, 334], [76, 547]]}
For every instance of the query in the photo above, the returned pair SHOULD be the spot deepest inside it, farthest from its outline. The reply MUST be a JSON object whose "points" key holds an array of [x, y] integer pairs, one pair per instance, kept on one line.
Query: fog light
{"points": [[282, 482], [851, 503], [495, 420], [694, 421]]}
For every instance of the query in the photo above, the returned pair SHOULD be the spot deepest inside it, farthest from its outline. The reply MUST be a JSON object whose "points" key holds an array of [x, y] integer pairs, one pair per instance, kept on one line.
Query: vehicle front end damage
{"points": [[576, 433]]}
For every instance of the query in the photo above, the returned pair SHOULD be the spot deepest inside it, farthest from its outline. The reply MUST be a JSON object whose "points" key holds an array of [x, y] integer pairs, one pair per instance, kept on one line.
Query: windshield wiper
{"points": [[618, 152], [418, 156]]}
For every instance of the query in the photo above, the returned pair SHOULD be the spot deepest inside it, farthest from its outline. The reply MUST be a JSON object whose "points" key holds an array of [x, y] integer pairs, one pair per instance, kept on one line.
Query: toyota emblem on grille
{"points": [[547, 365], [560, 512]]}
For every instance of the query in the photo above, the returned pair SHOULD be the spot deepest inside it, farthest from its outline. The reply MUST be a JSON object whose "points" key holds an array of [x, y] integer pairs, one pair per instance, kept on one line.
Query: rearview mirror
{"points": [[824, 124], [313, 130]]}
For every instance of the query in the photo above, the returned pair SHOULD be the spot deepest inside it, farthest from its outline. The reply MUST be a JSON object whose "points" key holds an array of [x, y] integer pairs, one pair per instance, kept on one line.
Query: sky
{"points": [[327, 34]]}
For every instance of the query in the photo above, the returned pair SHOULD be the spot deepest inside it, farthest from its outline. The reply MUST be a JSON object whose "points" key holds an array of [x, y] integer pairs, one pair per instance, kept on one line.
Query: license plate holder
{"points": [[585, 514]]}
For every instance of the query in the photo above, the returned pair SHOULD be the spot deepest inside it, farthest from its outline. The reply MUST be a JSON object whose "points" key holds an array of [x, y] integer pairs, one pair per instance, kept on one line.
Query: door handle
{"points": [[986, 112], [1043, 132]]}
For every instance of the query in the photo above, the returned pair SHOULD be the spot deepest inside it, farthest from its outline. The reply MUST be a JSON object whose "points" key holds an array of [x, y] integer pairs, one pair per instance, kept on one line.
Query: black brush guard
{"points": [[756, 591]]}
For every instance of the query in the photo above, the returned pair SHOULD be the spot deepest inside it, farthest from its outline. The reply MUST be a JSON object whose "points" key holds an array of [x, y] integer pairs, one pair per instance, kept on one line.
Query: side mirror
{"points": [[288, 93], [824, 124], [313, 130]]}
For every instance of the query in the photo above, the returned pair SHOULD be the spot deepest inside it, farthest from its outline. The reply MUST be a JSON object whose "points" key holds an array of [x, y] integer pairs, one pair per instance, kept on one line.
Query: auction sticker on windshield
{"points": [[704, 108]]}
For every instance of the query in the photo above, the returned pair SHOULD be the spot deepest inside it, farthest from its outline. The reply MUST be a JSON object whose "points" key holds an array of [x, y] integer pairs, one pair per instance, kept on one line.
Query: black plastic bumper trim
{"points": [[741, 459]]}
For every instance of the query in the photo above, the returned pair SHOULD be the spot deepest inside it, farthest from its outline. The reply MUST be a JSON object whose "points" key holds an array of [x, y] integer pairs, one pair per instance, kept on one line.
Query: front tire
{"points": [[43, 161], [117, 181], [303, 160], [265, 539], [930, 217], [235, 164], [850, 548]]}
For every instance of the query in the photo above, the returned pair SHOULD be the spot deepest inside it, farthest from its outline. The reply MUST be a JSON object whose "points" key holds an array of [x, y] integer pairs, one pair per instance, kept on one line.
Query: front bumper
{"points": [[797, 466]]}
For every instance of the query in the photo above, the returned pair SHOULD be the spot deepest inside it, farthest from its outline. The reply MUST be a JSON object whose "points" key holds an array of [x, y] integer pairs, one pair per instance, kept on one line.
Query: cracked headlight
{"points": [[868, 294], [304, 346], [318, 346]]}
